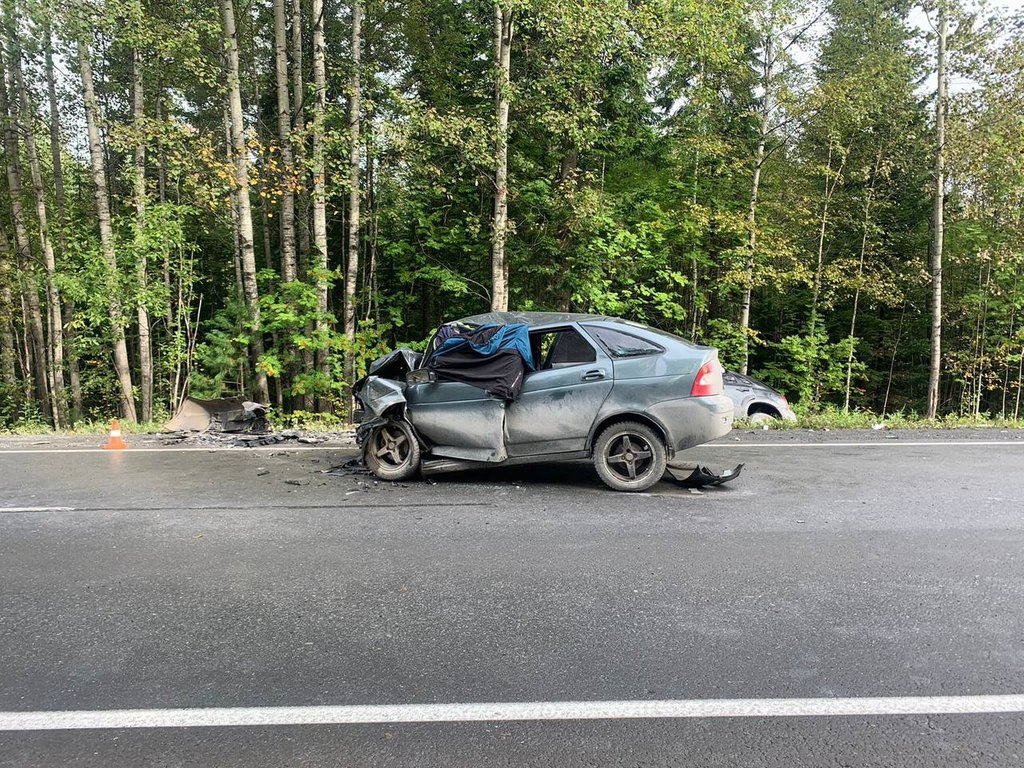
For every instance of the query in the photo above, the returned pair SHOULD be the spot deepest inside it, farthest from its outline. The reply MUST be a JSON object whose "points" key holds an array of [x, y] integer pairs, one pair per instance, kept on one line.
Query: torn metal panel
{"points": [[227, 414], [377, 394], [700, 476], [395, 364]]}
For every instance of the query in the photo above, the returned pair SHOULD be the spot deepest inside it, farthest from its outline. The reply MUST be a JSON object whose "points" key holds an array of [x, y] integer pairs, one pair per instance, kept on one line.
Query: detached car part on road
{"points": [[510, 388]]}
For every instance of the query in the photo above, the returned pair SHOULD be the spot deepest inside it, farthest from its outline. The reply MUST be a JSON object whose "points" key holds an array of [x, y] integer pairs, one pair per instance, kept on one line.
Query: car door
{"points": [[460, 421], [561, 399], [739, 389]]}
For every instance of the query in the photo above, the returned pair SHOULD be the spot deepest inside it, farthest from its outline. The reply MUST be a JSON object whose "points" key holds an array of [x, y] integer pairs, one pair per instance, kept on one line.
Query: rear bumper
{"points": [[692, 421]]}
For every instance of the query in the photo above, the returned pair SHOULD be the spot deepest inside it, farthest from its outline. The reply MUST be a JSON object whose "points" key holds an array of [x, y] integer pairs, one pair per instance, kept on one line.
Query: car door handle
{"points": [[595, 375]]}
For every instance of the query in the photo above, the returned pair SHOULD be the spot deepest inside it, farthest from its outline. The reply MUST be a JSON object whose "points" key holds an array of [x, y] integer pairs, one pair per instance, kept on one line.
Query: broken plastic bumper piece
{"points": [[700, 476]]}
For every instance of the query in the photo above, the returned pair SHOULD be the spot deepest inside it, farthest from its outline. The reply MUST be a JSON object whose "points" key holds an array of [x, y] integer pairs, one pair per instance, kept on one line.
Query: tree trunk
{"points": [[305, 402], [55, 145], [141, 270], [755, 187], [352, 268], [299, 122], [99, 176], [55, 324], [937, 218], [860, 275], [370, 284], [822, 228], [23, 247], [8, 351], [245, 230], [59, 197], [284, 135], [502, 60], [320, 259]]}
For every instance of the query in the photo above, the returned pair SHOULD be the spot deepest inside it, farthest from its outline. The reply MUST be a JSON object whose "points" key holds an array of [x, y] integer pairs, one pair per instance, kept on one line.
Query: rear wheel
{"points": [[759, 417], [392, 451], [629, 456]]}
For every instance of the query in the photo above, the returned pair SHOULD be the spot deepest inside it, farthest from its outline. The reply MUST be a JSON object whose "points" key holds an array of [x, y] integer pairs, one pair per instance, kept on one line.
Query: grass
{"points": [[829, 417], [836, 418], [309, 422]]}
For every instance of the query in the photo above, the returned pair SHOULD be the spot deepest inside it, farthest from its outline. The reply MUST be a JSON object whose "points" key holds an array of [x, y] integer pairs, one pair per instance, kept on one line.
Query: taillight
{"points": [[709, 380], [784, 398]]}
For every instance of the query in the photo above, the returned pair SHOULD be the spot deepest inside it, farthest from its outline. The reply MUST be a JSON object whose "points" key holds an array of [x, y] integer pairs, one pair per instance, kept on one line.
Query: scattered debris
{"points": [[700, 476], [226, 414], [229, 440], [350, 467]]}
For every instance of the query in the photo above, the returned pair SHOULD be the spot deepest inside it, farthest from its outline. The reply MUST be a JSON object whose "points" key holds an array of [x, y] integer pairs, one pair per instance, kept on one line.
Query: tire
{"points": [[629, 456], [760, 417], [393, 451]]}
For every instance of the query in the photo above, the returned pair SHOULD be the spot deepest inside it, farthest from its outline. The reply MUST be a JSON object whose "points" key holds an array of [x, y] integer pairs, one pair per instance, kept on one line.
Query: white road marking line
{"points": [[210, 449], [285, 447], [538, 710], [873, 444], [37, 509]]}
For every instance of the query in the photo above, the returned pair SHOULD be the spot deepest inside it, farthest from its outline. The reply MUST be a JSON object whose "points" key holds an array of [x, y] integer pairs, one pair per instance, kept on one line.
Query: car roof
{"points": [[549, 319], [533, 319]]}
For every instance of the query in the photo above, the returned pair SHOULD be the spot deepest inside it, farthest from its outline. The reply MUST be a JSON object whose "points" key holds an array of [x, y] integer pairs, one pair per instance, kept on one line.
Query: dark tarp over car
{"points": [[493, 358]]}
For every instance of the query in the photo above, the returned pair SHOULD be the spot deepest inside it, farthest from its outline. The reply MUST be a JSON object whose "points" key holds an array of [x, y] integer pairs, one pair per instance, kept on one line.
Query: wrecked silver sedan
{"points": [[504, 388]]}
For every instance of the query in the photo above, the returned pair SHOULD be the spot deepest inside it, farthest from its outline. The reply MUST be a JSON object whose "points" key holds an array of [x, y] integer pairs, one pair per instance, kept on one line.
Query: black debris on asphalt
{"points": [[222, 439], [349, 468]]}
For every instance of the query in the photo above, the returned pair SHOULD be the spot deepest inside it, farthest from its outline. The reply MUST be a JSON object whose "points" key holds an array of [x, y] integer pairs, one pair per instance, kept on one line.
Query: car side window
{"points": [[730, 378], [621, 344], [560, 348]]}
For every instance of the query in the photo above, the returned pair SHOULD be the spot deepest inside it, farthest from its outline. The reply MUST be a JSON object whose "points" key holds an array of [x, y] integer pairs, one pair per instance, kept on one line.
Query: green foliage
{"points": [[634, 128], [809, 367]]}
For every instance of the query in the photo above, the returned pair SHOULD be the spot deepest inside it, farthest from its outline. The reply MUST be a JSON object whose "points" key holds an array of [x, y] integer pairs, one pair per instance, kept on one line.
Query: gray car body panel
{"points": [[459, 420], [378, 394], [747, 393], [561, 410]]}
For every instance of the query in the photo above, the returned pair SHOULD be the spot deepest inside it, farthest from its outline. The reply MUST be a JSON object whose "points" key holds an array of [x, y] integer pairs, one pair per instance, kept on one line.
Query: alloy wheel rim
{"points": [[391, 445], [629, 456]]}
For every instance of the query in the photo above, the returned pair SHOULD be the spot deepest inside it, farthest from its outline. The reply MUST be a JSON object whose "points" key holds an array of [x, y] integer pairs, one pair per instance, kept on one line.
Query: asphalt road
{"points": [[238, 578]]}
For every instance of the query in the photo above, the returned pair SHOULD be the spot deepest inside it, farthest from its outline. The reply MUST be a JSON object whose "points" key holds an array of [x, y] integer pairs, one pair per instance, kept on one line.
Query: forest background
{"points": [[260, 196]]}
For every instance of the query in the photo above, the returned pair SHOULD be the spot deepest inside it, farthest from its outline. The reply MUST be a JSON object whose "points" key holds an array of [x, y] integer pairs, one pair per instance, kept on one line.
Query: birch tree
{"points": [[55, 325], [22, 243], [284, 135], [938, 209], [502, 64], [352, 268], [98, 163], [320, 258], [57, 168], [141, 271], [250, 289]]}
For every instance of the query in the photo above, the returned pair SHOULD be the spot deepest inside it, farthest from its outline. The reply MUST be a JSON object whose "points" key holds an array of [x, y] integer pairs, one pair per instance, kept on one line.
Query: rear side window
{"points": [[621, 344], [561, 349]]}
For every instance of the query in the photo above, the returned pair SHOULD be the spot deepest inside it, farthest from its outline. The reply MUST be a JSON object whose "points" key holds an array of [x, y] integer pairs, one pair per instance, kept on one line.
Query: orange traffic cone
{"points": [[116, 443]]}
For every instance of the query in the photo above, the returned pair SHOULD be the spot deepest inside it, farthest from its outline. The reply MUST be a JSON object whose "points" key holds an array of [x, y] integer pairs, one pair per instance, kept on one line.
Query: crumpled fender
{"points": [[378, 394]]}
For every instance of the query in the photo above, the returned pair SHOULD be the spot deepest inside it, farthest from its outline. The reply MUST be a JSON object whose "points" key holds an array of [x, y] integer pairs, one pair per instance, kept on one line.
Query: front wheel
{"points": [[392, 451], [629, 456]]}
